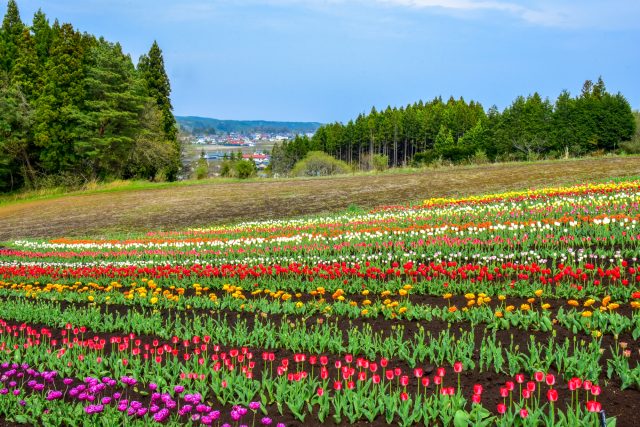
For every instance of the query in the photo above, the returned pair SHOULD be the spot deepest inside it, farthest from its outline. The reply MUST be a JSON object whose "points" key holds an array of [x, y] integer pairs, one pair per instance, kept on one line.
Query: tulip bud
{"points": [[551, 379]]}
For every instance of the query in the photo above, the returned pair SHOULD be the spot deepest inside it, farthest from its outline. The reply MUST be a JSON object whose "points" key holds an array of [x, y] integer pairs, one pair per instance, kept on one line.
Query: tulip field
{"points": [[511, 309]]}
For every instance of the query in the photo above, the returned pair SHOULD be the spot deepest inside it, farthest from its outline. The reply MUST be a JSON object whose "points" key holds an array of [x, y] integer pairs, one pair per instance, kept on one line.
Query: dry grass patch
{"points": [[180, 206]]}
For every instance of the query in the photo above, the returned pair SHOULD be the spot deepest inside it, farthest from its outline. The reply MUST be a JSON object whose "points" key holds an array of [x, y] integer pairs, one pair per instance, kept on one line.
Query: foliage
{"points": [[453, 131], [74, 104], [237, 167], [380, 162], [202, 168], [317, 163]]}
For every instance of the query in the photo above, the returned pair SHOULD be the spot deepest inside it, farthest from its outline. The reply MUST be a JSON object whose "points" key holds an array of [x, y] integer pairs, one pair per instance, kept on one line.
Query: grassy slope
{"points": [[131, 207]]}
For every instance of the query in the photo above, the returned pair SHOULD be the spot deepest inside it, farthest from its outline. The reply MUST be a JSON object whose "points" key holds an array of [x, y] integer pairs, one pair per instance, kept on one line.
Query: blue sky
{"points": [[327, 60]]}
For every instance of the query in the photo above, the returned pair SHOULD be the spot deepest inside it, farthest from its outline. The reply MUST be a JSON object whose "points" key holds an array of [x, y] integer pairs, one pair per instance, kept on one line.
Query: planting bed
{"points": [[519, 308]]}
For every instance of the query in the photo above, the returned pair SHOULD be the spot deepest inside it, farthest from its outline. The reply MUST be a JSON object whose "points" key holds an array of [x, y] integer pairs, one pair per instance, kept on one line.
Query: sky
{"points": [[330, 60]]}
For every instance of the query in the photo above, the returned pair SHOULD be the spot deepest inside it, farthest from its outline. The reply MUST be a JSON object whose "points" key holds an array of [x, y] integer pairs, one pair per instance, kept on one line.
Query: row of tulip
{"points": [[405, 315]]}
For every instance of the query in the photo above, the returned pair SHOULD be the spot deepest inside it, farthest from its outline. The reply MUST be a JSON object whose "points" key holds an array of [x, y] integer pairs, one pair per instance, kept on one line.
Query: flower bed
{"points": [[508, 309]]}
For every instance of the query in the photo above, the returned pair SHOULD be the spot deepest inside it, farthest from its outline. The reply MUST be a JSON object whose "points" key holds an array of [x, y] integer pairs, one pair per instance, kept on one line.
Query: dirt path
{"points": [[213, 203]]}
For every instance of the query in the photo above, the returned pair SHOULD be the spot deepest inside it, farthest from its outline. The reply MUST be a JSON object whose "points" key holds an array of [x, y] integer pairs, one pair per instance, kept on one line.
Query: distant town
{"points": [[240, 140]]}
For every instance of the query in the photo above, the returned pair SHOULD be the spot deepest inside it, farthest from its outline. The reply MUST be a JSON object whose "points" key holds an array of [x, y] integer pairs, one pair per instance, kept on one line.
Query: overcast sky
{"points": [[327, 60]]}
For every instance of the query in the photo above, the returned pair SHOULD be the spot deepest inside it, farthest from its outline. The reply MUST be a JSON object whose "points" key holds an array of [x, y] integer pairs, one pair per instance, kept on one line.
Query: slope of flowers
{"points": [[520, 308]]}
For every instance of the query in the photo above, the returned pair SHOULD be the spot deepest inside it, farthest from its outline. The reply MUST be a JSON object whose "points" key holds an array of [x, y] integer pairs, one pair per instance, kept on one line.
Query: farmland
{"points": [[171, 206], [503, 308]]}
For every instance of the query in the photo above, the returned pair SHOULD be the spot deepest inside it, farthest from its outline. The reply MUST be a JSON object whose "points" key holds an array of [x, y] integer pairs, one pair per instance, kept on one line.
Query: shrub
{"points": [[245, 169], [318, 163], [202, 169], [380, 162], [479, 158]]}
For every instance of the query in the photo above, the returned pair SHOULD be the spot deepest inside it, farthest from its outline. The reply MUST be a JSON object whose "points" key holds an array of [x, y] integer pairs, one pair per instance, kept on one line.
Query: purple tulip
{"points": [[254, 406], [266, 421]]}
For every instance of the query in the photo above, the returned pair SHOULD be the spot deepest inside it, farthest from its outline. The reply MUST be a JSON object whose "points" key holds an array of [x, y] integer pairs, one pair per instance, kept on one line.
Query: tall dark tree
{"points": [[42, 35], [10, 36], [152, 71], [59, 115], [112, 108]]}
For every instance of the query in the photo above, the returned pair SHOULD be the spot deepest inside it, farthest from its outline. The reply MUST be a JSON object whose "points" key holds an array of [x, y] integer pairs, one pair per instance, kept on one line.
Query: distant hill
{"points": [[204, 125]]}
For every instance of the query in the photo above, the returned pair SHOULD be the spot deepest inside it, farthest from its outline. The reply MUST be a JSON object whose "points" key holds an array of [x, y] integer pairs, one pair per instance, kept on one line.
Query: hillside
{"points": [[197, 125], [197, 204]]}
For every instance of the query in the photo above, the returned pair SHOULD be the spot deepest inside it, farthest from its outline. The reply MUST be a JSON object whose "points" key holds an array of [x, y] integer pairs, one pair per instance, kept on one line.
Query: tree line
{"points": [[74, 108], [458, 131]]}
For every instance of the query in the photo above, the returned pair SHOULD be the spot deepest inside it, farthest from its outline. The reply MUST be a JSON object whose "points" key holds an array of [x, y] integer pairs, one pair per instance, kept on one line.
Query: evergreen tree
{"points": [[112, 108], [152, 71], [42, 35], [11, 34], [59, 116]]}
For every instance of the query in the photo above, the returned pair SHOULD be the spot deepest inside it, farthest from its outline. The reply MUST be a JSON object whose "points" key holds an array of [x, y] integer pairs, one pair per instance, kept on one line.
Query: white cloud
{"points": [[612, 14]]}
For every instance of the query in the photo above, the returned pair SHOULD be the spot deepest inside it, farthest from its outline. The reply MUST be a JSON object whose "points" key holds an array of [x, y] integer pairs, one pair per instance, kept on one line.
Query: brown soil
{"points": [[214, 203]]}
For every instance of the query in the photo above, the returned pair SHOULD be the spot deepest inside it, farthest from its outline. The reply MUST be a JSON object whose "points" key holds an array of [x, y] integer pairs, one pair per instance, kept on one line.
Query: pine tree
{"points": [[42, 34], [152, 71], [11, 34], [112, 108], [59, 117]]}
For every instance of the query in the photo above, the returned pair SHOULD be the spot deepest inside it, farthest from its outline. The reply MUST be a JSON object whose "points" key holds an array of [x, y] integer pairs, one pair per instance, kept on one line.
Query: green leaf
{"points": [[461, 418], [21, 419]]}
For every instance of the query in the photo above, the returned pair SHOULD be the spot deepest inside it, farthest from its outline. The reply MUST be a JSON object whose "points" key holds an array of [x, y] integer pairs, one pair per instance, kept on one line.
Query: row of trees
{"points": [[74, 107], [456, 130]]}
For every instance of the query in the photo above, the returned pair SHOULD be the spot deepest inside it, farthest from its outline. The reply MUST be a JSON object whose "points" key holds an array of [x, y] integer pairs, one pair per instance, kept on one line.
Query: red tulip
{"points": [[504, 392], [389, 374], [404, 380], [337, 385], [539, 376], [502, 408], [440, 372], [594, 406], [383, 362], [526, 393], [519, 378], [320, 391], [531, 386], [425, 381], [596, 390], [418, 372], [457, 367], [550, 379], [376, 379], [348, 358], [404, 396], [477, 389], [524, 413], [510, 385], [552, 395], [476, 398]]}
